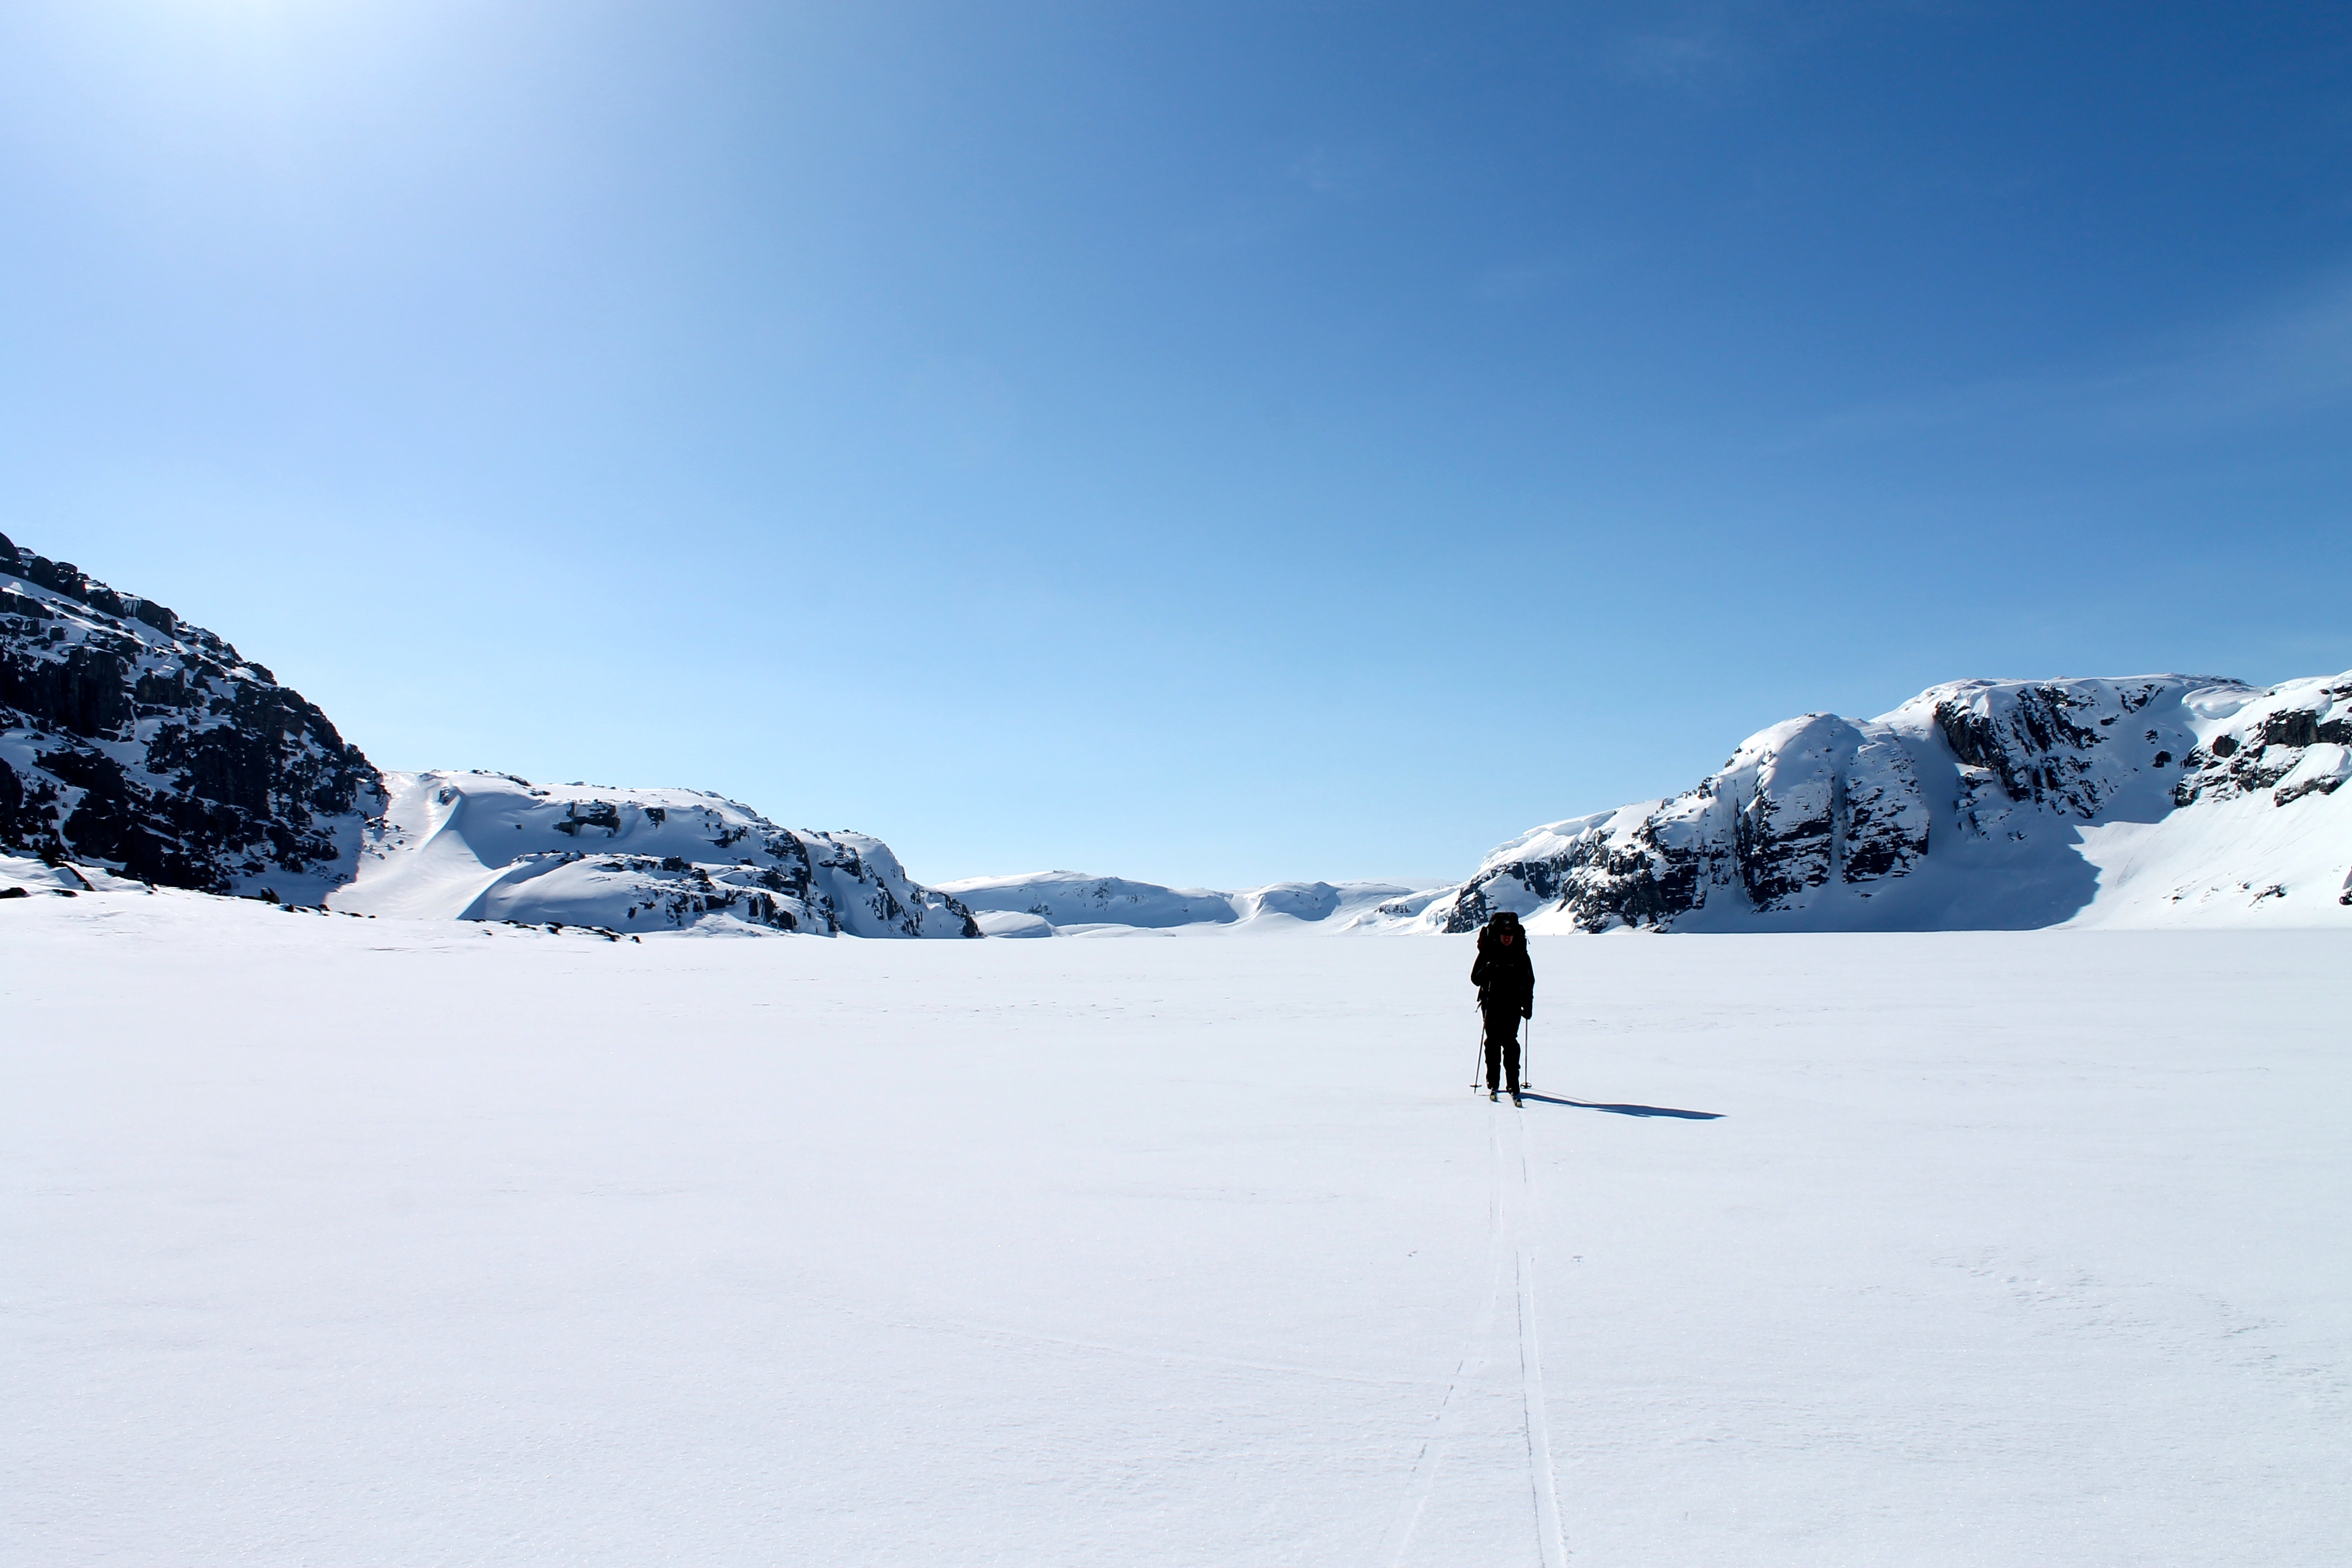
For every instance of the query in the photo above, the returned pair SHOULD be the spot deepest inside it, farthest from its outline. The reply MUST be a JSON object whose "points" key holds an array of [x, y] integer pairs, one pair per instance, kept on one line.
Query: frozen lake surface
{"points": [[342, 1241]]}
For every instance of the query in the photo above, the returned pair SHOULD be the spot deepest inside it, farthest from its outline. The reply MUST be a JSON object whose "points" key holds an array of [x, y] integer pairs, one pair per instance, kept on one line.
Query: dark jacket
{"points": [[1505, 979]]}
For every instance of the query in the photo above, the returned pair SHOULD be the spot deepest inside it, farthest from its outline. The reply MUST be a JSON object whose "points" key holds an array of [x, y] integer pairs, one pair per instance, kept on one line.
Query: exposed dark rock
{"points": [[2287, 795], [601, 814], [27, 810], [86, 691], [2298, 727], [2027, 737], [130, 738], [59, 577]]}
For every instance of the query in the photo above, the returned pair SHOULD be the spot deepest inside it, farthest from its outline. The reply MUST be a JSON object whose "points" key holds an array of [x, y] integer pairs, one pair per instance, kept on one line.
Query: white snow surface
{"points": [[491, 847], [336, 1240]]}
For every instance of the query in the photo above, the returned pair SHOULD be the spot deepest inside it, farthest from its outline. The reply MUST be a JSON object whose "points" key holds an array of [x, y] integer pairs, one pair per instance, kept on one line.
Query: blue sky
{"points": [[1207, 443]]}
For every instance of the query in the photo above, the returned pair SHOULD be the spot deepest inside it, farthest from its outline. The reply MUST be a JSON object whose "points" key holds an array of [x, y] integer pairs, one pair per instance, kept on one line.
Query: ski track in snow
{"points": [[346, 1241], [1543, 1482], [1510, 1233]]}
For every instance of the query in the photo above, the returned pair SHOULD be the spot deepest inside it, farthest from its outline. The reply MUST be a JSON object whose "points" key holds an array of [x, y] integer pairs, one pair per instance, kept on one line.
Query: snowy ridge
{"points": [[135, 744], [132, 739], [1047, 903], [491, 847], [1979, 804]]}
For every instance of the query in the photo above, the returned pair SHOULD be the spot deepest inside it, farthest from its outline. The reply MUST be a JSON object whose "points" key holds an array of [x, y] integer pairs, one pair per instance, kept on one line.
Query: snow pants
{"points": [[1503, 1042]]}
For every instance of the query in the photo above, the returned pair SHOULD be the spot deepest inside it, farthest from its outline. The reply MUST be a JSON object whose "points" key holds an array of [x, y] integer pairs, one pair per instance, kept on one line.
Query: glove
{"points": [[1527, 1009]]}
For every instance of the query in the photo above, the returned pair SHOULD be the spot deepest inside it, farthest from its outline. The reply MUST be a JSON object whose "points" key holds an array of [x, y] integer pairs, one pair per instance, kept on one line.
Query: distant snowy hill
{"points": [[489, 846], [129, 739], [1044, 904], [1981, 805]]}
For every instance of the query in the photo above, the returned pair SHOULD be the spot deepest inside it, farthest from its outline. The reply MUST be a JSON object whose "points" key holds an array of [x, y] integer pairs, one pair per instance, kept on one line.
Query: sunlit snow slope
{"points": [[2153, 800], [489, 846]]}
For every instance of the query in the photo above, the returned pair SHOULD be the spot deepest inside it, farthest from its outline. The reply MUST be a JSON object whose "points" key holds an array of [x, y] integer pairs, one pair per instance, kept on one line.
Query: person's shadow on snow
{"points": [[1629, 1109]]}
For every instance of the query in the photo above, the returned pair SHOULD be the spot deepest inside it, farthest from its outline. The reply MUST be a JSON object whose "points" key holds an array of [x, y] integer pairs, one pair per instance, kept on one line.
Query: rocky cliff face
{"points": [[476, 845], [1978, 803], [130, 739]]}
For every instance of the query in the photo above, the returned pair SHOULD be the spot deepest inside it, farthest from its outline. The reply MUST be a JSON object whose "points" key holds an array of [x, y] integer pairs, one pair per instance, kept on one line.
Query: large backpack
{"points": [[1501, 918]]}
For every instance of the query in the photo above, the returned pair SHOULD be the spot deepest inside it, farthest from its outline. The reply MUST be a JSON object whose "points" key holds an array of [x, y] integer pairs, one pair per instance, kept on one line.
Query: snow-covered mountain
{"points": [[1980, 805], [132, 741], [129, 739], [491, 847], [1044, 904], [2153, 800]]}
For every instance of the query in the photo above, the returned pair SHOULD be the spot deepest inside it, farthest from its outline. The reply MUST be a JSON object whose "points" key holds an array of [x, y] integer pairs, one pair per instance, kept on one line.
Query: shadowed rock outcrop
{"points": [[130, 739]]}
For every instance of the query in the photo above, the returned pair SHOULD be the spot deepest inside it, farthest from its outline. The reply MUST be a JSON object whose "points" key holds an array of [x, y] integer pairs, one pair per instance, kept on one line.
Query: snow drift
{"points": [[1983, 805], [491, 846]]}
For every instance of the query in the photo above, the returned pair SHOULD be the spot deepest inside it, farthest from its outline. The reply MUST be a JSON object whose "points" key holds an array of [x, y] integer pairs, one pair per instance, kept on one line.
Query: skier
{"points": [[1507, 993]]}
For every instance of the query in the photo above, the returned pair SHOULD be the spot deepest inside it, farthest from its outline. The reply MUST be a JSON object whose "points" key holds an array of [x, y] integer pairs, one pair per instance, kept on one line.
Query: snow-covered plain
{"points": [[336, 1240]]}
